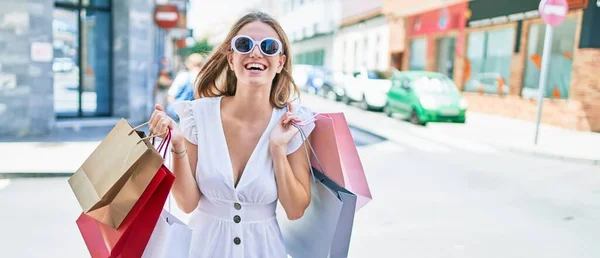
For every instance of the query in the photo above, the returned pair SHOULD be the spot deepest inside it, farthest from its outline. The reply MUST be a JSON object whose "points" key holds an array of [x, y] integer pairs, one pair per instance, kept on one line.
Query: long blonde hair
{"points": [[215, 79]]}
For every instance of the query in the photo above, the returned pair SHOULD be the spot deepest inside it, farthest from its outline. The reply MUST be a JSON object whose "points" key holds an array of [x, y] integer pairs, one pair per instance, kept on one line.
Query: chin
{"points": [[256, 80]]}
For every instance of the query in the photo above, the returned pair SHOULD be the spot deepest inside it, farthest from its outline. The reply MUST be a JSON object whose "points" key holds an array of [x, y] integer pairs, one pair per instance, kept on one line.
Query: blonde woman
{"points": [[235, 151]]}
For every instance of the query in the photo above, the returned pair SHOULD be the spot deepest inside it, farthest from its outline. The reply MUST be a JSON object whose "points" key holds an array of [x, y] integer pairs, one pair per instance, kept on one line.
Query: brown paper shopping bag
{"points": [[115, 175]]}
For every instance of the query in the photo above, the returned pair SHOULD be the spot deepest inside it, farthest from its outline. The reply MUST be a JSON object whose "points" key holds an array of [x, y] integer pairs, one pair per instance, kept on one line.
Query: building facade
{"points": [[311, 27], [492, 50], [363, 41], [507, 40], [75, 61]]}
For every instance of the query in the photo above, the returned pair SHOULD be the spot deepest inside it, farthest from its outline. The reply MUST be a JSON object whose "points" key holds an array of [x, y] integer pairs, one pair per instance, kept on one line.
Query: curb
{"points": [[593, 162], [18, 175], [536, 153]]}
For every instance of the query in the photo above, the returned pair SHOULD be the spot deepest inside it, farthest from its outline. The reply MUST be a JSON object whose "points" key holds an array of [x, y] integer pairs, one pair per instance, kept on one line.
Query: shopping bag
{"points": [[114, 176], [332, 142], [325, 229], [171, 238], [129, 239]]}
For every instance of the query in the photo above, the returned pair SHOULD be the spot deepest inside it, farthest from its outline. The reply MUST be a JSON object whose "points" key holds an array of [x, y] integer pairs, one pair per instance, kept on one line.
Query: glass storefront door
{"points": [[82, 58]]}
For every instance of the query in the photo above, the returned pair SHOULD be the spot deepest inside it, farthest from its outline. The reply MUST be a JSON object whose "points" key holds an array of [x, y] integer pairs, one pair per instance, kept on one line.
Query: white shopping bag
{"points": [[171, 237]]}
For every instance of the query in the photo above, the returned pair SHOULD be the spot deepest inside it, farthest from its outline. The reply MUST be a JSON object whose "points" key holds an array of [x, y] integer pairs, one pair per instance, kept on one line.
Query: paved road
{"points": [[433, 197]]}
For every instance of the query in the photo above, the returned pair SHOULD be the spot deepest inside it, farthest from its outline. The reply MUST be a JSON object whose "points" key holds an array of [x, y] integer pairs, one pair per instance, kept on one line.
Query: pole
{"points": [[543, 77]]}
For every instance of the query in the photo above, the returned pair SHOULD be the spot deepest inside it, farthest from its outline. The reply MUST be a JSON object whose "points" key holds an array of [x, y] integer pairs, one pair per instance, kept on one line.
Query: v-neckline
{"points": [[228, 155]]}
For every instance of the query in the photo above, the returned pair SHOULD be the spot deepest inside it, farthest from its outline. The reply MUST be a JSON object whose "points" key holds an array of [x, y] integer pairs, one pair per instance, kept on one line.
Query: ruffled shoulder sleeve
{"points": [[186, 110], [305, 113]]}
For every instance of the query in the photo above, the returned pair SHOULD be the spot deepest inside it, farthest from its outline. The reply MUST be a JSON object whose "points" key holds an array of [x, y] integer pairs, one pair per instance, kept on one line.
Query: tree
{"points": [[201, 47]]}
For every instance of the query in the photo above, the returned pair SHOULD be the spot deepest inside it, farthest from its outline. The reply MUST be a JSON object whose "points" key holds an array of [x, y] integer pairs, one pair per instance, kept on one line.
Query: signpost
{"points": [[166, 16], [553, 13]]}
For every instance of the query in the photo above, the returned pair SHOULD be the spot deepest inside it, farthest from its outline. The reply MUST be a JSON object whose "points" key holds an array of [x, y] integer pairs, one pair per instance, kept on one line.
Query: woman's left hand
{"points": [[284, 131]]}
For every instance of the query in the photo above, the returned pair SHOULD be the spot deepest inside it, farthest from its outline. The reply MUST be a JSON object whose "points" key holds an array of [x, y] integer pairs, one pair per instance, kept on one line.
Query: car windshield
{"points": [[434, 85]]}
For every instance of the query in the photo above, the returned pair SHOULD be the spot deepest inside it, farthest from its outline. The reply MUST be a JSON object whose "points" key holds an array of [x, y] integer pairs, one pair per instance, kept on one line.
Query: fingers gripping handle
{"points": [[307, 143]]}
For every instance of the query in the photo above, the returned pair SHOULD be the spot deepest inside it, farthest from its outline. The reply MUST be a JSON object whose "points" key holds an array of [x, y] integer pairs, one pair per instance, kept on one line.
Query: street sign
{"points": [[166, 16], [553, 13]]}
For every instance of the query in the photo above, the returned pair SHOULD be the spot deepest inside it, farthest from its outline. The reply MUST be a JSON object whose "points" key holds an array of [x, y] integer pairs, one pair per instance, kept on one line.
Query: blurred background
{"points": [[441, 97]]}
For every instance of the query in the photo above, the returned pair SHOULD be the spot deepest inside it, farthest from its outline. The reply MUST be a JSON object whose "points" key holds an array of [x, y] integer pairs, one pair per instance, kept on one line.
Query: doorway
{"points": [[445, 48]]}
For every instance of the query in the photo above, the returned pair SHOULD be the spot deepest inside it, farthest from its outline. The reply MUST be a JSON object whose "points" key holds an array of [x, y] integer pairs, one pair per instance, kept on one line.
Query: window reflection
{"points": [[418, 54], [82, 57], [488, 61], [65, 64], [561, 60], [95, 63]]}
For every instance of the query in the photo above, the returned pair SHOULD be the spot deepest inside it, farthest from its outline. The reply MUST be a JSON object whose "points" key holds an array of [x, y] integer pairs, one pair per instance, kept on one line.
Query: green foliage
{"points": [[201, 47]]}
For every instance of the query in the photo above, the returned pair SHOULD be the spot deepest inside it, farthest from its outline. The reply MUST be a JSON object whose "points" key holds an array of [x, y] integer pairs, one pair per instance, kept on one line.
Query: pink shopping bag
{"points": [[334, 146]]}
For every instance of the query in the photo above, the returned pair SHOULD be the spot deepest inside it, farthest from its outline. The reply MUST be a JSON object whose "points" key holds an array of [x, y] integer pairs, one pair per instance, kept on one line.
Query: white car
{"points": [[369, 88]]}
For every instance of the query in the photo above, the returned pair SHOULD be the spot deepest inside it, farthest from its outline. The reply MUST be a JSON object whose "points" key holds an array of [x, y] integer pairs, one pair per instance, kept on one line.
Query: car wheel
{"points": [[331, 95], [363, 104], [414, 118], [387, 110], [346, 100]]}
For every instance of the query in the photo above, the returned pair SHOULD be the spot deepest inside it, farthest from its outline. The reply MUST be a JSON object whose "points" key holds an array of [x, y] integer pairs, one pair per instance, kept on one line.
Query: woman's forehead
{"points": [[258, 30]]}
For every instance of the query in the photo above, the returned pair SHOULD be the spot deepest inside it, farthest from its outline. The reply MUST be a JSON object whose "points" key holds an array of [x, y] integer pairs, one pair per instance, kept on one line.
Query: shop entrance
{"points": [[445, 55]]}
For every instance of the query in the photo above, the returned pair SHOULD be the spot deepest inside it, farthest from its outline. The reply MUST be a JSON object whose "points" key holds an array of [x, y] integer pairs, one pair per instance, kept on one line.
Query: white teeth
{"points": [[254, 65]]}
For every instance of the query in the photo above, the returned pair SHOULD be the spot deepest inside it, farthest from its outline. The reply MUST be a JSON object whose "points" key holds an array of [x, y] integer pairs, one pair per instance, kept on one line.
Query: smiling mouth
{"points": [[255, 67]]}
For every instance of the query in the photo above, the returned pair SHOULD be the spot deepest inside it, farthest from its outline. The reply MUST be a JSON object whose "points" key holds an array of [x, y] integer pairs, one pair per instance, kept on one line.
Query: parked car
{"points": [[309, 78], [369, 88], [333, 85], [424, 97]]}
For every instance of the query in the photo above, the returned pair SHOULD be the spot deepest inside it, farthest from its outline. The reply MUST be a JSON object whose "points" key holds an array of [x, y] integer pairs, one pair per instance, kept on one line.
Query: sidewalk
{"points": [[57, 154], [518, 136]]}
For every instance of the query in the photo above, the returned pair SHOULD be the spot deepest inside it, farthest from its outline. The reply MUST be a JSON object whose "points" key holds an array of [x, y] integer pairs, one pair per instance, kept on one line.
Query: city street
{"points": [[433, 196]]}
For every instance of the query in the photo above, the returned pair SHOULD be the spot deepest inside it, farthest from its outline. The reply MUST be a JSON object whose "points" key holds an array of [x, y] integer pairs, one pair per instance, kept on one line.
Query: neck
{"points": [[251, 102]]}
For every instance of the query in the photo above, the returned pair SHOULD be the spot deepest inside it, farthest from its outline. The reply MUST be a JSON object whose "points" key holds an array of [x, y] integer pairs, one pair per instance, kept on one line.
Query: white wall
{"points": [[304, 21], [363, 49]]}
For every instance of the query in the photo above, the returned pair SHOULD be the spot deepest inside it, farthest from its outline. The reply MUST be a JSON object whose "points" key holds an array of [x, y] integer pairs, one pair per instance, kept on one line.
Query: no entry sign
{"points": [[166, 16], [553, 12]]}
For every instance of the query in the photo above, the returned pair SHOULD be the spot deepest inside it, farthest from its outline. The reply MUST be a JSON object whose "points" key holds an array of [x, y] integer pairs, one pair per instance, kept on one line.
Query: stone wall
{"points": [[26, 101]]}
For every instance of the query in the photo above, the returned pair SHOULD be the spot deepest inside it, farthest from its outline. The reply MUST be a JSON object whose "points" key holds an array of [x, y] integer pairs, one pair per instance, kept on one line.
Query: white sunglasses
{"points": [[268, 46]]}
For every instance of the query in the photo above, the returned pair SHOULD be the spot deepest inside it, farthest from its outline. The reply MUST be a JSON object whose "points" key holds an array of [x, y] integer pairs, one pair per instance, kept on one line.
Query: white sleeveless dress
{"points": [[233, 222]]}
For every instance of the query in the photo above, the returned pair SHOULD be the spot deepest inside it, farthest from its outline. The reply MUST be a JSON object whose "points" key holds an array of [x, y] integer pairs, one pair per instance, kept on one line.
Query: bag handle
{"points": [[163, 146], [152, 136], [306, 142]]}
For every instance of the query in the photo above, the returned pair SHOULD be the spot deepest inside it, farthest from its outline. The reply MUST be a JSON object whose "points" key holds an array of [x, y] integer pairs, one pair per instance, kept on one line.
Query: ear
{"points": [[282, 59], [230, 60]]}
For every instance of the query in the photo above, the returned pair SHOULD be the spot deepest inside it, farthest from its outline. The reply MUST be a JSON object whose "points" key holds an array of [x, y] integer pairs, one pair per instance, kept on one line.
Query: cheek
{"points": [[274, 63]]}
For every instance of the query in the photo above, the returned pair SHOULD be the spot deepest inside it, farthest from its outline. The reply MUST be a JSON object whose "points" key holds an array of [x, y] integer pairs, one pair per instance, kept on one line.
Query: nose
{"points": [[255, 52]]}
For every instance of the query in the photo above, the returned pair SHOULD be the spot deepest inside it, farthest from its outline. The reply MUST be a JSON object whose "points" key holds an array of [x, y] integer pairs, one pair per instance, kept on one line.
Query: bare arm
{"points": [[185, 189], [185, 158], [292, 174]]}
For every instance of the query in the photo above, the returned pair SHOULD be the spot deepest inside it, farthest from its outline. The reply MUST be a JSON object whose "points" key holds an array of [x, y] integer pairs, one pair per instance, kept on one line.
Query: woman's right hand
{"points": [[160, 122]]}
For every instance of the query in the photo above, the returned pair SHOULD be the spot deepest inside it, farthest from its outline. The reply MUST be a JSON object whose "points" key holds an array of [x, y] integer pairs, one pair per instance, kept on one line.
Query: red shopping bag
{"points": [[334, 147], [132, 236]]}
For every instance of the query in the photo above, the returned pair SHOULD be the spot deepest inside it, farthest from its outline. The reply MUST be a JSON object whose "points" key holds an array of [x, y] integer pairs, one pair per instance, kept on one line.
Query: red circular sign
{"points": [[553, 12], [166, 16]]}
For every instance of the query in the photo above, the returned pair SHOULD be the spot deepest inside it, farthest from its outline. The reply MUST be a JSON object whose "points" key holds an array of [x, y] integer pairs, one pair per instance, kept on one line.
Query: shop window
{"points": [[418, 54], [561, 60], [446, 48], [311, 58], [489, 55], [82, 58]]}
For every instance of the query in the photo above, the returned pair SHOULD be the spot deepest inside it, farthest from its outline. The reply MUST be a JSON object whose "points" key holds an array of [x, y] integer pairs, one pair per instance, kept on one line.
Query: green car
{"points": [[425, 97]]}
